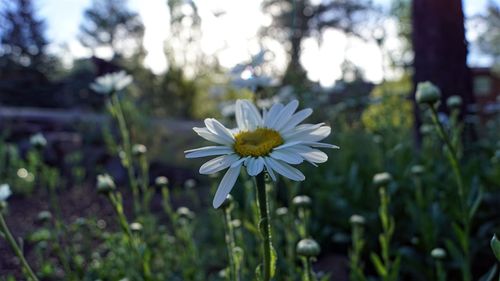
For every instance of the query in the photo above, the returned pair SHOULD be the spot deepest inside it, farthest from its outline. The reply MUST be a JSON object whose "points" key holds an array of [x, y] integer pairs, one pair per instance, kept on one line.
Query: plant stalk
{"points": [[264, 224], [466, 220], [10, 239]]}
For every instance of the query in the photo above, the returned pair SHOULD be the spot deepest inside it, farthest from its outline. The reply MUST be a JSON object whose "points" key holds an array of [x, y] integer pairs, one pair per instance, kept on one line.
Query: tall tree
{"points": [[489, 39], [22, 35], [294, 20], [440, 49], [110, 24]]}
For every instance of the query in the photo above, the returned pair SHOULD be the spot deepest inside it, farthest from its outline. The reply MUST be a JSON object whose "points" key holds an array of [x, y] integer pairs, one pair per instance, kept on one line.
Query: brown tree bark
{"points": [[440, 50]]}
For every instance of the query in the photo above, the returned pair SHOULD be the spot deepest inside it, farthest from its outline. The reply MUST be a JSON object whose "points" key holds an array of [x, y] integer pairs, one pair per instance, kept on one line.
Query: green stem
{"points": [[440, 272], [146, 193], [231, 245], [127, 148], [308, 275], [10, 239], [264, 224], [116, 201], [452, 157], [355, 254]]}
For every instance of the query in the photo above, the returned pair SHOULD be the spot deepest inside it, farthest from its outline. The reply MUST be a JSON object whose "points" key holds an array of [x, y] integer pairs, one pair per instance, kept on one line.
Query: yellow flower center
{"points": [[257, 143]]}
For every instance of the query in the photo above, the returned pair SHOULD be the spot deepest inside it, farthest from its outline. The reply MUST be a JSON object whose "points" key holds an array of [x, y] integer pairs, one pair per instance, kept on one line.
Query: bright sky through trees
{"points": [[232, 36]]}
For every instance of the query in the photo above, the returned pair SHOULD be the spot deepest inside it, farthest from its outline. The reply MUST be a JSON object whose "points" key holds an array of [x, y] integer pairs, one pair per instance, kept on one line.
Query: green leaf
{"points": [[454, 251], [495, 246], [490, 274], [251, 227], [395, 269], [258, 273], [476, 203], [274, 258], [459, 232], [238, 254], [378, 265]]}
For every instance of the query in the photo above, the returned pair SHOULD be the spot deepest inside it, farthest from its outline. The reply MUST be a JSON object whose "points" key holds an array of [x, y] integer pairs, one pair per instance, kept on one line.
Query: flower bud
{"points": [[136, 227], [302, 201], [495, 246], [454, 102], [438, 253], [282, 211], [357, 220], [3, 206], [427, 93], [189, 183], [308, 248], [161, 181], [105, 184], [139, 150], [417, 170], [44, 216], [38, 141], [185, 213], [426, 129], [236, 223], [382, 179]]}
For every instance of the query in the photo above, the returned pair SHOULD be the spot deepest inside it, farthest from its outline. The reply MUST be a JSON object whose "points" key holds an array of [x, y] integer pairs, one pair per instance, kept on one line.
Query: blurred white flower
{"points": [[5, 192], [38, 140], [111, 82], [271, 141]]}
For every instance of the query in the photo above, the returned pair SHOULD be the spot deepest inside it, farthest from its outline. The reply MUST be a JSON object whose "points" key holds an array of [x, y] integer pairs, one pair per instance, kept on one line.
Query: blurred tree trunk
{"points": [[440, 50]]}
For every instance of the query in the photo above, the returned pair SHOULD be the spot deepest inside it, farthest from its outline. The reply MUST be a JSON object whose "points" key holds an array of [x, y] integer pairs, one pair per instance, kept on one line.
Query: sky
{"points": [[232, 36]]}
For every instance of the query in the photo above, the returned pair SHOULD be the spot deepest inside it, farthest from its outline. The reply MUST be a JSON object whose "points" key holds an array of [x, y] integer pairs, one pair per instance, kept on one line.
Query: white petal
{"points": [[255, 166], [288, 156], [310, 135], [308, 153], [285, 170], [272, 114], [226, 185], [315, 156], [320, 144], [239, 162], [269, 169], [206, 134], [303, 128], [219, 163], [218, 129], [247, 115], [287, 144], [296, 119], [285, 114], [208, 151]]}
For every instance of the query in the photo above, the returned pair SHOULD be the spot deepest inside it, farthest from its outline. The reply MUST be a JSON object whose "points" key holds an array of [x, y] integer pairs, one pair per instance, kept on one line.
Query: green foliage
{"points": [[419, 210], [390, 108]]}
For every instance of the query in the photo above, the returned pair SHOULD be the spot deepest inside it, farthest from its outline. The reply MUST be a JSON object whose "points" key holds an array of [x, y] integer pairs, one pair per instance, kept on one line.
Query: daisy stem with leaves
{"points": [[264, 225], [428, 94], [230, 239], [117, 203], [264, 143], [464, 209], [4, 229], [127, 147]]}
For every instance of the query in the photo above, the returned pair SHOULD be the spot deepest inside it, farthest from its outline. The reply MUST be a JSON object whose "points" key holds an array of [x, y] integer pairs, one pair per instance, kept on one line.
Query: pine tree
{"points": [[22, 36], [110, 24]]}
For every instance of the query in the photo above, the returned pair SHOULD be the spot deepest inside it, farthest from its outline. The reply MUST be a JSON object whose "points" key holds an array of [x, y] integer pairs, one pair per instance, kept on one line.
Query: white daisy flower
{"points": [[4, 192], [111, 82], [271, 141]]}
